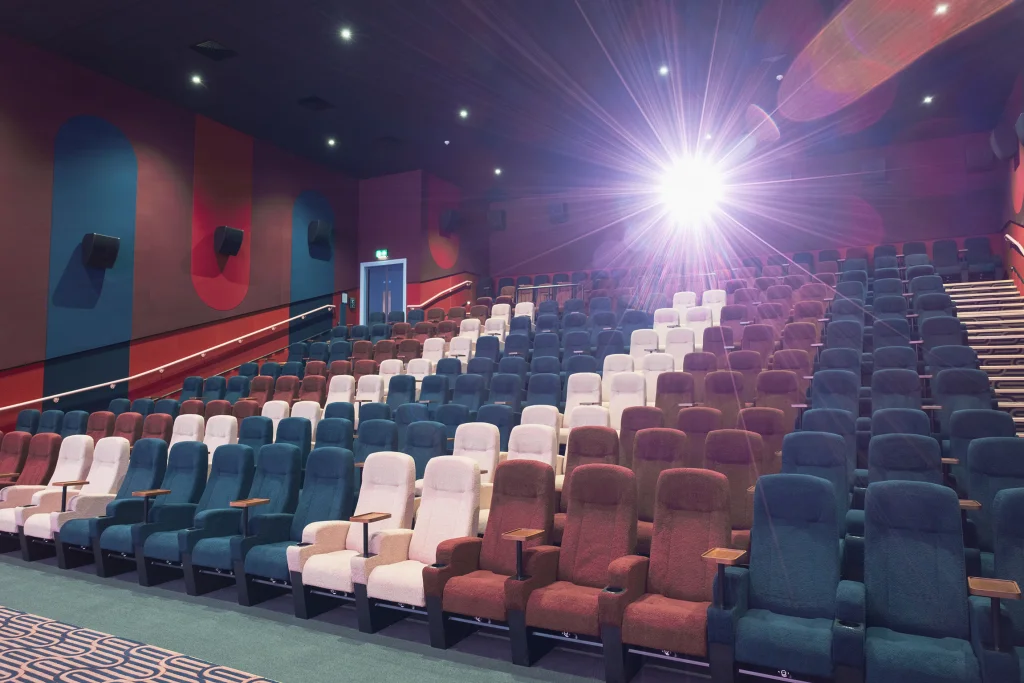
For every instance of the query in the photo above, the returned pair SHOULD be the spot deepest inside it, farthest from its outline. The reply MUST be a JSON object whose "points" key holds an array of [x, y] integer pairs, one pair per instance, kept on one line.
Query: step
{"points": [[990, 307], [982, 332], [976, 316], [997, 352], [1003, 368], [986, 299], [967, 285]]}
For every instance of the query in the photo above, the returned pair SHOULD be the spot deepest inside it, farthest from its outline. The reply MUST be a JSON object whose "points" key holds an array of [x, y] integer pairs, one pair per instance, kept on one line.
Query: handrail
{"points": [[1014, 243], [159, 370], [1016, 272], [437, 297]]}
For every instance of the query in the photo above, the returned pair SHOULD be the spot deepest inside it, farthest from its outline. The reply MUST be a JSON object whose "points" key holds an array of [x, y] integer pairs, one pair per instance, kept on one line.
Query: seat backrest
{"points": [[188, 463], [481, 442], [772, 425], [220, 430], [943, 330], [600, 523], [255, 432], [214, 388], [449, 506], [820, 454], [626, 389], [374, 436], [959, 389], [672, 390], [192, 387], [158, 426], [296, 431], [894, 357], [723, 390], [424, 441], [655, 450], [906, 457], [895, 389], [993, 465], [388, 485], [129, 426], [278, 477], [735, 453], [74, 458], [238, 387], [100, 425], [587, 445], [793, 543], [582, 389], [697, 422], [522, 498], [691, 516], [147, 463], [370, 388], [533, 442], [653, 366], [900, 421], [40, 459], [187, 428], [545, 388], [679, 341], [1008, 543], [342, 389], [314, 388], [835, 389], [642, 342], [261, 389], [914, 575], [50, 422], [335, 432]]}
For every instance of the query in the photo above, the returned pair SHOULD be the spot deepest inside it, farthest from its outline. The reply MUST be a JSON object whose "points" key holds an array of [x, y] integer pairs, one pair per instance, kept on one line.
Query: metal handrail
{"points": [[437, 297], [160, 370]]}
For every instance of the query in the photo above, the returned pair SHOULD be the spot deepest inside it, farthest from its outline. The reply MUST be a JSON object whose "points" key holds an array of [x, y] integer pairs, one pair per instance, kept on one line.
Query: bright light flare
{"points": [[691, 190]]}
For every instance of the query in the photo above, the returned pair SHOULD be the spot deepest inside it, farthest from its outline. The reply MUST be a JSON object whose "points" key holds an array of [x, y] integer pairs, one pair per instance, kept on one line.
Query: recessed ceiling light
{"points": [[446, 142], [346, 33], [707, 136], [497, 171], [197, 79], [779, 77], [663, 70], [463, 113], [331, 142], [928, 99], [941, 9]]}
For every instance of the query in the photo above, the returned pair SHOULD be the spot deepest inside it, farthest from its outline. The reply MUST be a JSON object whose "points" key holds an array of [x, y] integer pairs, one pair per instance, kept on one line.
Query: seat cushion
{"points": [[332, 571], [667, 624], [210, 552], [893, 656], [76, 532], [401, 582], [564, 606], [118, 539], [269, 561], [163, 545], [477, 594], [38, 526], [775, 641]]}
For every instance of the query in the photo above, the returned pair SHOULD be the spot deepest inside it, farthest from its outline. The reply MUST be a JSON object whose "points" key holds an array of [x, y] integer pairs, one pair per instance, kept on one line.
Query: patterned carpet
{"points": [[34, 649]]}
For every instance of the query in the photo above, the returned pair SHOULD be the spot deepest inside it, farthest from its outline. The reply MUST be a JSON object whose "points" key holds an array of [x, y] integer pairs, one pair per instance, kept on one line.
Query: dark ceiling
{"points": [[556, 89]]}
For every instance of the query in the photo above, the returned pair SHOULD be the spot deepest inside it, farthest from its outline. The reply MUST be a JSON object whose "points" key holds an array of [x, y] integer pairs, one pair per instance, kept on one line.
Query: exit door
{"points": [[383, 288]]}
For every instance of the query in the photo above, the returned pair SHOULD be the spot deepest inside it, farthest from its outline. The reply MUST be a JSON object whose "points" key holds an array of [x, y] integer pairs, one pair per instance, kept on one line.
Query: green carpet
{"points": [[267, 640]]}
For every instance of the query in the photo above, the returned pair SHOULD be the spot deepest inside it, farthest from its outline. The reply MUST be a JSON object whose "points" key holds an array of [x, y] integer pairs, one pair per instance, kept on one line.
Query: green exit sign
{"points": [[381, 254]]}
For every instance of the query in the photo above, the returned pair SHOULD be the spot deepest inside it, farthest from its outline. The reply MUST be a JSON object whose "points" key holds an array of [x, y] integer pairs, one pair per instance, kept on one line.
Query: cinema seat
{"points": [[261, 390], [449, 508], [159, 551], [214, 389], [129, 426], [46, 516], [342, 388], [157, 426], [313, 388], [563, 591], [959, 389], [735, 453], [919, 628], [237, 389], [771, 425], [534, 442], [186, 428], [470, 575], [215, 408], [994, 464], [424, 441], [635, 419], [114, 536], [193, 406], [697, 422], [100, 425], [75, 422], [823, 455], [661, 605], [654, 451], [481, 442], [255, 432], [74, 531], [116, 406], [13, 453], [375, 436], [298, 432], [587, 445], [50, 422], [192, 387], [502, 417], [220, 430]]}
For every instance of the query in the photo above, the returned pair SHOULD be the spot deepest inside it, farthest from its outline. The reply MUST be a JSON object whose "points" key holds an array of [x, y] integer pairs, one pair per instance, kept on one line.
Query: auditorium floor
{"points": [[268, 641]]}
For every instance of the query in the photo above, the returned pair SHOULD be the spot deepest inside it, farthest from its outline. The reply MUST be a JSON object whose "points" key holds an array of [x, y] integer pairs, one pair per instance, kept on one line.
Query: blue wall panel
{"points": [[312, 272]]}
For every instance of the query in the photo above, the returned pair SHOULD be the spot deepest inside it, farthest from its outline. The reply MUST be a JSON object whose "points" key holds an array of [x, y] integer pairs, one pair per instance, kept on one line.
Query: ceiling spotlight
{"points": [[446, 142], [941, 9], [497, 171], [663, 70], [691, 190], [707, 136], [928, 99], [779, 77], [331, 142], [346, 33], [463, 113], [197, 79]]}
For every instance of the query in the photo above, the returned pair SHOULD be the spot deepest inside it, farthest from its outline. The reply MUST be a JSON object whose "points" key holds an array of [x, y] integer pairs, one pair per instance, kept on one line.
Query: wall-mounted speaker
{"points": [[448, 222], [1020, 128], [227, 240], [496, 219], [558, 212], [100, 251], [319, 232], [1004, 143], [979, 157], [873, 170]]}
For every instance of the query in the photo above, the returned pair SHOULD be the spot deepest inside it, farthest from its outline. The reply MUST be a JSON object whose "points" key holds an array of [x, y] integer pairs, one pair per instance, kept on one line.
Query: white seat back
{"points": [[461, 348], [678, 343], [223, 429], [715, 299], [388, 369], [533, 442], [627, 390], [613, 365], [683, 300], [470, 329], [370, 389], [654, 365], [433, 349], [342, 389], [419, 368], [524, 308], [641, 343], [542, 415], [496, 327], [449, 506], [74, 459], [388, 485], [480, 441], [698, 319], [501, 312], [310, 410], [589, 416], [582, 389], [193, 427], [665, 319], [109, 465]]}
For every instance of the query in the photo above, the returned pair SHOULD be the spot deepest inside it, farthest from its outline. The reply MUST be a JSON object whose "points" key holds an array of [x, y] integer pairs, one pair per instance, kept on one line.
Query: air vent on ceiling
{"points": [[211, 49], [314, 103]]}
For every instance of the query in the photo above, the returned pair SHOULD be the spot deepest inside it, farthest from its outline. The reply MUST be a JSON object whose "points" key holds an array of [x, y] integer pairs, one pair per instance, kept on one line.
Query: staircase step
{"points": [[980, 332], [967, 285], [1017, 305]]}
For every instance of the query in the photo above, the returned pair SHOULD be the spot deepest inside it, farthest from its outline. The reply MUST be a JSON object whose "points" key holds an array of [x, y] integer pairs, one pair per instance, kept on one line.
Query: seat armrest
{"points": [[19, 495], [735, 590], [848, 627], [541, 566], [210, 524], [997, 664], [455, 557], [118, 511], [318, 538], [387, 547], [627, 577], [47, 500], [850, 602], [88, 505]]}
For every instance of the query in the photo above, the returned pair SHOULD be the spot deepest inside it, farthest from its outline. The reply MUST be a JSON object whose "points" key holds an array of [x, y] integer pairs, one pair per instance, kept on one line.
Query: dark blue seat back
{"points": [[488, 347], [434, 390], [544, 389], [143, 406], [146, 467], [405, 415], [116, 406], [374, 436], [296, 431], [374, 411], [192, 388], [547, 344], [342, 409], [249, 369], [895, 389], [451, 415], [328, 489], [278, 477], [167, 406], [255, 432], [900, 421], [334, 432], [469, 392], [401, 389], [75, 422], [238, 388], [994, 463], [50, 422], [899, 357], [268, 369], [904, 457], [297, 352]]}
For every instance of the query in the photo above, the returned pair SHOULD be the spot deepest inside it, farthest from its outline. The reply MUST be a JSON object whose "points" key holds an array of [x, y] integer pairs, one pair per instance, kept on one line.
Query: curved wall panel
{"points": [[312, 265]]}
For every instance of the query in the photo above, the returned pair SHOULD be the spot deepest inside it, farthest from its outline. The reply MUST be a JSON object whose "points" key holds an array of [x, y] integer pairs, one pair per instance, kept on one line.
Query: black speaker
{"points": [[558, 212], [227, 240], [100, 251], [496, 219], [319, 232], [449, 222], [1020, 128], [979, 157], [1004, 143]]}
